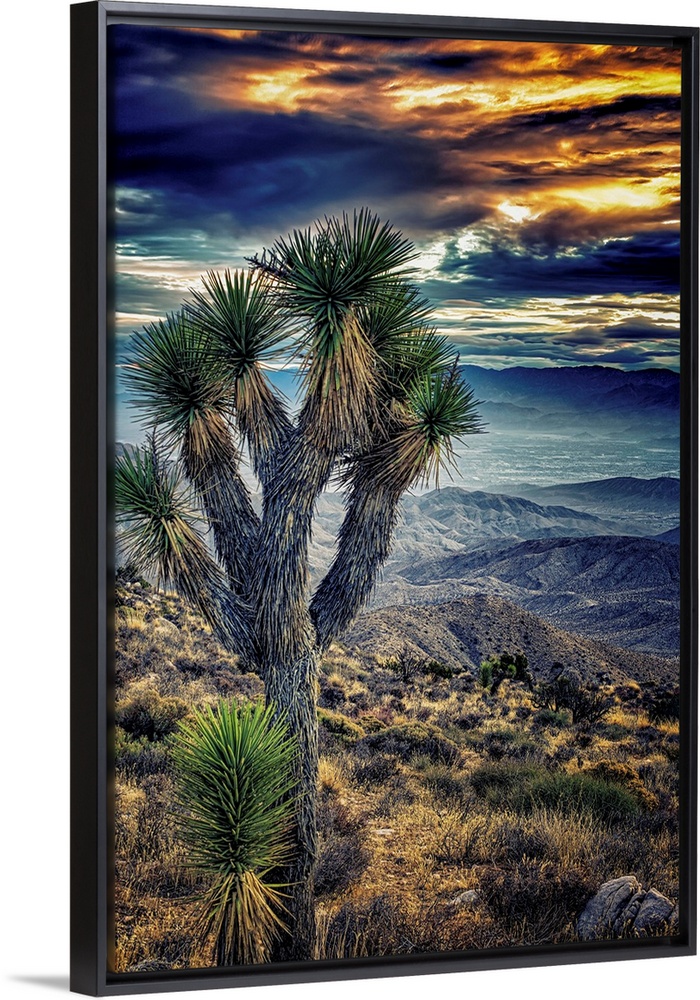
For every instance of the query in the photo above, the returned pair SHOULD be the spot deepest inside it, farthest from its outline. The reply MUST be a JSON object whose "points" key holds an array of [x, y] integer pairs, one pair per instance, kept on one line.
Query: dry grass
{"points": [[427, 790]]}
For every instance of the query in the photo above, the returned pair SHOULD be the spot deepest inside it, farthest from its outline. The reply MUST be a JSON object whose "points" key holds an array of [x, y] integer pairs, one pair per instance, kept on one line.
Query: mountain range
{"points": [[463, 633], [542, 398], [623, 590], [597, 577]]}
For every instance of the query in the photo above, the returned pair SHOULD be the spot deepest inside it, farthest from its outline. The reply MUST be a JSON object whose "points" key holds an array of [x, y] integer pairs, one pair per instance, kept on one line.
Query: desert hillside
{"points": [[465, 632]]}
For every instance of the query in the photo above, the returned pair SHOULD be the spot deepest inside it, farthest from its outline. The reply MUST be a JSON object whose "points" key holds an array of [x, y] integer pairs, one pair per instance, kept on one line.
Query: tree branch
{"points": [[364, 543], [283, 627], [211, 463]]}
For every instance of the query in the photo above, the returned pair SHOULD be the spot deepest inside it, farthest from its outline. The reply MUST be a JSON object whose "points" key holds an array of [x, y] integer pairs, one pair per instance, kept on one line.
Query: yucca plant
{"points": [[381, 401], [233, 770]]}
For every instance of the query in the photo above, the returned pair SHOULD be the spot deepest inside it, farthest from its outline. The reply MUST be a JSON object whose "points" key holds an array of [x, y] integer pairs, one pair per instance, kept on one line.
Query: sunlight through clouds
{"points": [[539, 182]]}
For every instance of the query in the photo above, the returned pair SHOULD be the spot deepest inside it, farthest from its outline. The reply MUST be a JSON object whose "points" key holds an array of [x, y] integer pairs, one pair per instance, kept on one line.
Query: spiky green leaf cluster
{"points": [[233, 771], [248, 332], [176, 376], [160, 536], [160, 523], [241, 315]]}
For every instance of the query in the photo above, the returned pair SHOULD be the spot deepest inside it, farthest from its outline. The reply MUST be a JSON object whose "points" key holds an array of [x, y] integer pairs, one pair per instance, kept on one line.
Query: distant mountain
{"points": [[589, 565], [452, 519], [672, 537], [623, 590], [645, 504], [622, 492], [579, 387], [463, 633]]}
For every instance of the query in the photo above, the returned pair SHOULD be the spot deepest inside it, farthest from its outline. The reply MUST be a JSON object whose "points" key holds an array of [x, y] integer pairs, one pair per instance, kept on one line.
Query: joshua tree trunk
{"points": [[293, 693]]}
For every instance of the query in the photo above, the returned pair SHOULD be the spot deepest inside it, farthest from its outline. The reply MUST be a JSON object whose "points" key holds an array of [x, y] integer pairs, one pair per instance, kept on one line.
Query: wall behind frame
{"points": [[34, 549]]}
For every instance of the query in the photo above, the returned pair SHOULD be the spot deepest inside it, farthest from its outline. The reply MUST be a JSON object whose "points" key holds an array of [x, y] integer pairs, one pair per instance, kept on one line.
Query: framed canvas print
{"points": [[384, 495]]}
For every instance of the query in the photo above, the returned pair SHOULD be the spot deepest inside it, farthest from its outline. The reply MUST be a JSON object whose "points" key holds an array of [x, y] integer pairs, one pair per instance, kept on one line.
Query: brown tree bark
{"points": [[292, 691]]}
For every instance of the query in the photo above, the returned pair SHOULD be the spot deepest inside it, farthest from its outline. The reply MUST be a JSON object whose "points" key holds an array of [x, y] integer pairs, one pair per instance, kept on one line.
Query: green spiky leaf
{"points": [[233, 770], [175, 376]]}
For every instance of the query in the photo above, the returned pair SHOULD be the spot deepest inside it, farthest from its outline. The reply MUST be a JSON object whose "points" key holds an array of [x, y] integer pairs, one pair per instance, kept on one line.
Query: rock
{"points": [[604, 910], [622, 906], [165, 628], [468, 898], [627, 916], [656, 909], [386, 831]]}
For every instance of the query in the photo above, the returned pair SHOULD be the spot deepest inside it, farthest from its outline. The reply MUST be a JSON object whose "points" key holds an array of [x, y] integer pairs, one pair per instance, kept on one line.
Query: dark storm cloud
{"points": [[553, 168], [647, 262], [592, 113], [640, 329], [255, 166]]}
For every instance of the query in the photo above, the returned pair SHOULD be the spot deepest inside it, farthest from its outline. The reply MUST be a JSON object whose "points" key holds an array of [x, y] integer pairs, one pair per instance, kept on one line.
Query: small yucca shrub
{"points": [[233, 768]]}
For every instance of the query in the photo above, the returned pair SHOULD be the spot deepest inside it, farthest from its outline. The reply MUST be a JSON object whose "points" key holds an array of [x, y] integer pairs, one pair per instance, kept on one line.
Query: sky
{"points": [[538, 182]]}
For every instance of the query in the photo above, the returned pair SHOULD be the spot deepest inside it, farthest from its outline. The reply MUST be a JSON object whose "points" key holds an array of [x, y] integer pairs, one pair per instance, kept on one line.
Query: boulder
{"points": [[465, 899], [622, 906], [163, 627], [602, 913], [656, 909]]}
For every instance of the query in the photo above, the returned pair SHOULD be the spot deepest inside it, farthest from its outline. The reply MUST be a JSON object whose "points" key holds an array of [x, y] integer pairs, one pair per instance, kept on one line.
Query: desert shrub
{"points": [[148, 714], [495, 782], [341, 861], [409, 665], [191, 666], [145, 836], [507, 742], [588, 707], [549, 718], [413, 738], [444, 781], [534, 901], [628, 692], [577, 793], [467, 720], [396, 794], [625, 776], [372, 722], [438, 670], [614, 731], [341, 728], [586, 704], [527, 788], [377, 927], [139, 756], [374, 769], [332, 694], [507, 666], [665, 707], [361, 701], [501, 837], [671, 749], [405, 664]]}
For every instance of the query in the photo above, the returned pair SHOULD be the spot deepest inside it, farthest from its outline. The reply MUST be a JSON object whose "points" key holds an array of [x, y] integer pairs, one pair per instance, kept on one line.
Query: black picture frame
{"points": [[91, 543]]}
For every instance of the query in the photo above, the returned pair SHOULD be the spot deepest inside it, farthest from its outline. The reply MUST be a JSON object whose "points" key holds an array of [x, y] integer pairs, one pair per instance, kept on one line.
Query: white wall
{"points": [[34, 537]]}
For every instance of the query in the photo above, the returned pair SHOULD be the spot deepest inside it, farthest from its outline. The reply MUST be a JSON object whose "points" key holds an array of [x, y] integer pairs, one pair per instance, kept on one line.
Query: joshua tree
{"points": [[381, 400]]}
